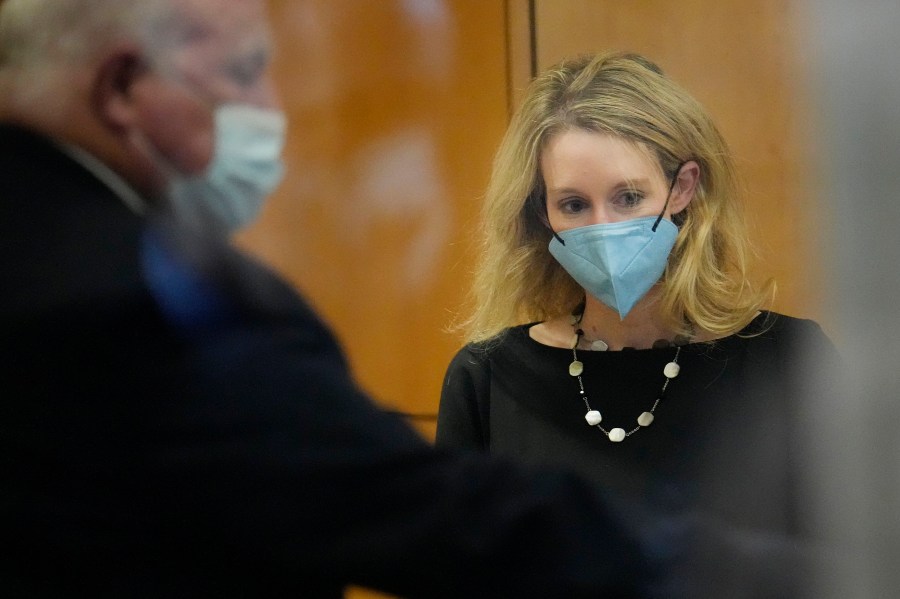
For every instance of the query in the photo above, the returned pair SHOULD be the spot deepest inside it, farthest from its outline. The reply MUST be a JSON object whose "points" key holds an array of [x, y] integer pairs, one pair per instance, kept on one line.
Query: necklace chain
{"points": [[593, 417]]}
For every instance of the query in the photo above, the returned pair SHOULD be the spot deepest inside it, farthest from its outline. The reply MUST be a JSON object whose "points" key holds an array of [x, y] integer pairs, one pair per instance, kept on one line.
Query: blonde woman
{"points": [[615, 328]]}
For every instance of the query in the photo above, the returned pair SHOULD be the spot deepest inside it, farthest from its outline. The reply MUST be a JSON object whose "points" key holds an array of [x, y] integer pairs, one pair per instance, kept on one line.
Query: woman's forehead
{"points": [[578, 152]]}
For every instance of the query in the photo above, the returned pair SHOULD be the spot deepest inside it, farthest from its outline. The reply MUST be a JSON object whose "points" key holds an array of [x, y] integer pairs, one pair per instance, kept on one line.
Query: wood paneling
{"points": [[395, 108]]}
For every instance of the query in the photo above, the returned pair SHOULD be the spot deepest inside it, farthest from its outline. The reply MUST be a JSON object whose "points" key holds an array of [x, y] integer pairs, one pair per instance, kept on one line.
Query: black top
{"points": [[722, 442], [176, 422]]}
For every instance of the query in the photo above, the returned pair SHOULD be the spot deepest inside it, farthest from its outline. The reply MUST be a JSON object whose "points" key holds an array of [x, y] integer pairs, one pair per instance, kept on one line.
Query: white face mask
{"points": [[246, 167]]}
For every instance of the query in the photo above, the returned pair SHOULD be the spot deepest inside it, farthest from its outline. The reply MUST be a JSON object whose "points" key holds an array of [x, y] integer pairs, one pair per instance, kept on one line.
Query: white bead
{"points": [[671, 370], [593, 417], [616, 435], [599, 345], [645, 419], [576, 368]]}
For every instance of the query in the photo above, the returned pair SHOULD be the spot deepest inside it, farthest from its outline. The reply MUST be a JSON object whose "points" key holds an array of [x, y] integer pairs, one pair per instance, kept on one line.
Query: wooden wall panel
{"points": [[741, 61], [395, 108]]}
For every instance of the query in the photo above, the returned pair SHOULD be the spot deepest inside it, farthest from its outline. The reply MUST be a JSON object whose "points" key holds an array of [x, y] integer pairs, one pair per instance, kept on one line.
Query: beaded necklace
{"points": [[593, 417]]}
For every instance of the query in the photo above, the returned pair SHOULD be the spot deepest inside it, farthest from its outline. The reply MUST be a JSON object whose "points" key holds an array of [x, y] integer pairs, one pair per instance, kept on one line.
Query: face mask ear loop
{"points": [[668, 196], [542, 213], [547, 222]]}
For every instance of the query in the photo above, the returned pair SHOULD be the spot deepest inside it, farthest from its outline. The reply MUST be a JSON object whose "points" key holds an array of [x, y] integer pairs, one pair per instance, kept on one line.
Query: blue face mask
{"points": [[246, 167], [617, 263]]}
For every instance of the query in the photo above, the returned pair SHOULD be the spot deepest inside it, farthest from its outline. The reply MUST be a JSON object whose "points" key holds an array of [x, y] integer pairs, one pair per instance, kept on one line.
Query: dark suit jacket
{"points": [[175, 421]]}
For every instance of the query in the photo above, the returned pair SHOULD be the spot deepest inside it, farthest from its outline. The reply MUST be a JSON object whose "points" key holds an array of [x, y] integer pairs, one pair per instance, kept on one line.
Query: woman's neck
{"points": [[640, 328]]}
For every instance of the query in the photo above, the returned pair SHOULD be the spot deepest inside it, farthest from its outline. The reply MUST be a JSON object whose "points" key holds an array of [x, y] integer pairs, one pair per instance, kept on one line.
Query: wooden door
{"points": [[395, 108]]}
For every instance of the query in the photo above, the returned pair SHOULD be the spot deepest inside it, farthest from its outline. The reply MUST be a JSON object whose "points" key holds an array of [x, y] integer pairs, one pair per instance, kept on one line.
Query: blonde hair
{"points": [[705, 285]]}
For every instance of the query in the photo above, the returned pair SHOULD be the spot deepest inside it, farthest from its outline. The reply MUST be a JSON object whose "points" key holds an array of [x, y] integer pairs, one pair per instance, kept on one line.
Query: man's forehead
{"points": [[232, 26], [227, 17]]}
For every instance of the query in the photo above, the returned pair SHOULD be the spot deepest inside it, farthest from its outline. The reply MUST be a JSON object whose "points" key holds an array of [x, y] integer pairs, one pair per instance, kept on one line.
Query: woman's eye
{"points": [[573, 205], [629, 199]]}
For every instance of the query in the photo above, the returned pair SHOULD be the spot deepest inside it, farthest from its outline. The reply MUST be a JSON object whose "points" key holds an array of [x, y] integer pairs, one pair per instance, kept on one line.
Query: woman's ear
{"points": [[112, 89], [685, 186]]}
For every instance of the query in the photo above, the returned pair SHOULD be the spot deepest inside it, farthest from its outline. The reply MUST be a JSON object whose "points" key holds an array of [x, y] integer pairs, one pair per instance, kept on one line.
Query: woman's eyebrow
{"points": [[631, 183], [565, 190]]}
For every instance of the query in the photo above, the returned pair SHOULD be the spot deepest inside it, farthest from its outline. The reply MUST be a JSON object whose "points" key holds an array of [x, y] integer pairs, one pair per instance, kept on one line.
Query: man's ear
{"points": [[113, 88], [685, 187]]}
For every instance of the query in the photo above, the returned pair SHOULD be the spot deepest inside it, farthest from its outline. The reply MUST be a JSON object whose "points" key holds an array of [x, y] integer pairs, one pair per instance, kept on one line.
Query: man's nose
{"points": [[265, 95]]}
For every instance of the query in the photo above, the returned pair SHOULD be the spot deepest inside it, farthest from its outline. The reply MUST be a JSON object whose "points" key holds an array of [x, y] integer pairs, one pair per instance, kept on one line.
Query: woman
{"points": [[615, 328]]}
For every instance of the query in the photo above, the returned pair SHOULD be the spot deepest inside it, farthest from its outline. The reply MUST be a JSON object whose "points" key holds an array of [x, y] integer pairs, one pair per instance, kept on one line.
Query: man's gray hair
{"points": [[40, 40], [34, 33]]}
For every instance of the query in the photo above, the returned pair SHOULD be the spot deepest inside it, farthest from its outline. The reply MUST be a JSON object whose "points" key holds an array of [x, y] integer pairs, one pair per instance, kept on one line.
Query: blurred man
{"points": [[174, 421]]}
